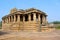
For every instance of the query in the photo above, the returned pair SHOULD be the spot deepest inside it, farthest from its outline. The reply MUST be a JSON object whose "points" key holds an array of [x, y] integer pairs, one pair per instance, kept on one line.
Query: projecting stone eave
{"points": [[35, 10], [7, 16], [45, 14], [27, 11], [4, 17], [18, 12]]}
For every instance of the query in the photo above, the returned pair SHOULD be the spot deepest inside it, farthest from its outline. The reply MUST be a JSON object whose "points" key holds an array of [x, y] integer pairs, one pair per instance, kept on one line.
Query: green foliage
{"points": [[56, 22], [58, 27], [0, 24]]}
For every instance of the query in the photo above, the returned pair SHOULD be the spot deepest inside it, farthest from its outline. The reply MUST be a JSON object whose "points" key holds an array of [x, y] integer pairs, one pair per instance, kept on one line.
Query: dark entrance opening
{"points": [[21, 17], [31, 17], [26, 17], [36, 17]]}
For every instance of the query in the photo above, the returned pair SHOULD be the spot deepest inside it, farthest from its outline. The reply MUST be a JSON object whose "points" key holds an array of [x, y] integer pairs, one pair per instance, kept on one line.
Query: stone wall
{"points": [[22, 26]]}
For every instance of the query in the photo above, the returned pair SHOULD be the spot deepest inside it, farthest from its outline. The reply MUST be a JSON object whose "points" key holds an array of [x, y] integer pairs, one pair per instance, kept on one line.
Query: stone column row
{"points": [[44, 19], [13, 18], [34, 16]]}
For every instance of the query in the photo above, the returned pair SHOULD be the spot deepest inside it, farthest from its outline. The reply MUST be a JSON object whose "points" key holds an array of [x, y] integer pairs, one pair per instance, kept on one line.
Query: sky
{"points": [[50, 7]]}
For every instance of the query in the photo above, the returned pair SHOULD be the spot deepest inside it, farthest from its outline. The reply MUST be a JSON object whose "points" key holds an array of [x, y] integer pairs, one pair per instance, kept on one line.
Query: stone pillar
{"points": [[9, 19], [34, 16], [46, 20], [14, 18], [39, 19], [18, 19], [43, 19], [23, 28], [29, 17], [6, 20], [23, 18]]}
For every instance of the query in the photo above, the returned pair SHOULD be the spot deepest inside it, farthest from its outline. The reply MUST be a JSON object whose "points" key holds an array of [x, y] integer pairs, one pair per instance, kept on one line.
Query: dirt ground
{"points": [[54, 35]]}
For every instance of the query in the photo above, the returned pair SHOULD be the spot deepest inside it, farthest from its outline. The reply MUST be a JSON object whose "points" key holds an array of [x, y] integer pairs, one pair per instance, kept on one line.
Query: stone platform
{"points": [[54, 35]]}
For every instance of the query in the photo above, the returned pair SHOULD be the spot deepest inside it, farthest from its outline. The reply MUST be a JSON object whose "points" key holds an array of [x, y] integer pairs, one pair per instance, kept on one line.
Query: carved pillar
{"points": [[18, 20], [14, 18], [43, 19], [46, 20], [39, 17], [23, 23], [6, 20], [9, 19], [23, 18], [29, 17], [34, 16]]}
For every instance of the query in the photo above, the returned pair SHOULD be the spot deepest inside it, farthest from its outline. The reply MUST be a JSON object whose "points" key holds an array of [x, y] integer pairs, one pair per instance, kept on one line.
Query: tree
{"points": [[56, 22]]}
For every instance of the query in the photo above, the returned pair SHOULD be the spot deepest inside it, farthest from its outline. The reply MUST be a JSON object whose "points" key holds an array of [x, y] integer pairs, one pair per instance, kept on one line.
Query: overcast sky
{"points": [[50, 7]]}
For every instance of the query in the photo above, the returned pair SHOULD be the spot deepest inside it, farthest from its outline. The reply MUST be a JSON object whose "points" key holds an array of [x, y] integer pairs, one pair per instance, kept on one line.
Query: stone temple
{"points": [[31, 20]]}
